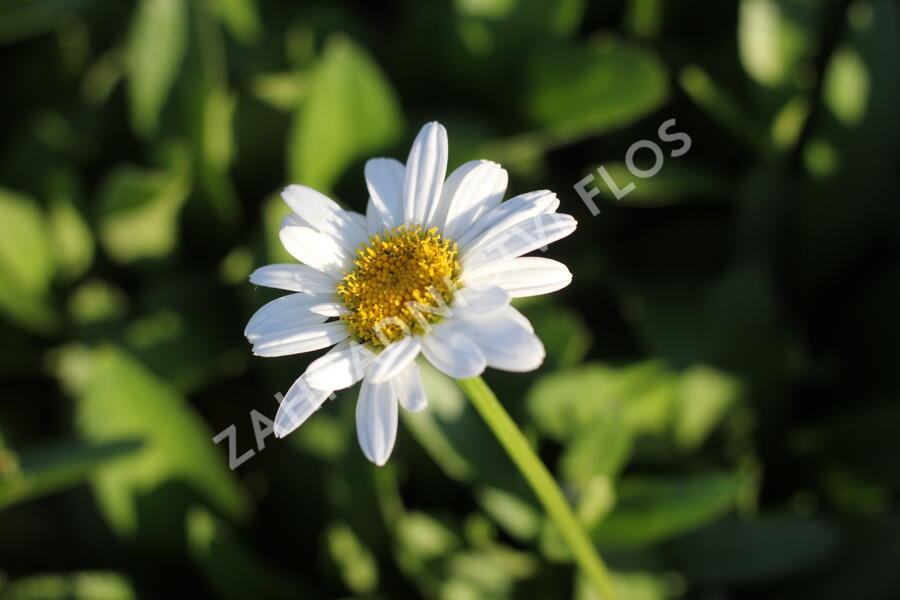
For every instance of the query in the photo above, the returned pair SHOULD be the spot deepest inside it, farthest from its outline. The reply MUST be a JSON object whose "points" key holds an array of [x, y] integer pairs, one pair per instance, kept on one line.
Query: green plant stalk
{"points": [[541, 481]]}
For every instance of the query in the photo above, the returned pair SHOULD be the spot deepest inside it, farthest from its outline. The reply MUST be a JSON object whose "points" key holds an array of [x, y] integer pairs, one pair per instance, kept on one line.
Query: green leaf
{"points": [[570, 401], [578, 91], [424, 537], [49, 469], [144, 495], [633, 585], [156, 47], [97, 300], [233, 569], [565, 335], [239, 17], [76, 586], [21, 20], [139, 211], [351, 112], [72, 238], [26, 262], [774, 38], [356, 563], [705, 395], [651, 510]]}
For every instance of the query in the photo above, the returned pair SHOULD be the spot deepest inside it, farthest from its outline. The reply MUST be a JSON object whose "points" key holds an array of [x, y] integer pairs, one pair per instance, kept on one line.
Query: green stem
{"points": [[541, 481]]}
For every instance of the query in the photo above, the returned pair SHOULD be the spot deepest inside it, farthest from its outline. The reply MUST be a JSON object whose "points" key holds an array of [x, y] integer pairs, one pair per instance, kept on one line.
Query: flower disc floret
{"points": [[402, 277]]}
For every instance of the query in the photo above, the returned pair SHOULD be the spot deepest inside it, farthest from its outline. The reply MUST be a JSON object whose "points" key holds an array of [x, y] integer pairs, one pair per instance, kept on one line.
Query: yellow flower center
{"points": [[402, 278]]}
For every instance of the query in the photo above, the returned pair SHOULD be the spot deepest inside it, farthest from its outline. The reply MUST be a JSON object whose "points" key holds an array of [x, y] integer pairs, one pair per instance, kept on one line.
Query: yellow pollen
{"points": [[399, 275]]}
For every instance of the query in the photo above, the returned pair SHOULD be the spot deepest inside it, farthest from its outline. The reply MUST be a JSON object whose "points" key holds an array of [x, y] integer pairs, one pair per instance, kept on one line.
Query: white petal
{"points": [[376, 421], [298, 404], [479, 190], [425, 171], [521, 277], [283, 313], [374, 223], [384, 177], [294, 278], [408, 388], [520, 239], [297, 340], [452, 352], [450, 189], [507, 214], [482, 300], [506, 342], [315, 249], [328, 309], [340, 367], [325, 215], [394, 359]]}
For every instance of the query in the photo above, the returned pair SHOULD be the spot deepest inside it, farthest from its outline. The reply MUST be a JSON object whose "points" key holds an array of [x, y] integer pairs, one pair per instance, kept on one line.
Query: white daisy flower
{"points": [[430, 269]]}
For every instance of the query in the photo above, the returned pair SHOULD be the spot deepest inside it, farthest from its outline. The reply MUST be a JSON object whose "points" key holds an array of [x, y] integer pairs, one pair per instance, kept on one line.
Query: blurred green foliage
{"points": [[719, 399]]}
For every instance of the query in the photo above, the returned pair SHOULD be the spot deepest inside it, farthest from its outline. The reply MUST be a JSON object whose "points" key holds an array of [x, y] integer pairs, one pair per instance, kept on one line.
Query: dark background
{"points": [[719, 399]]}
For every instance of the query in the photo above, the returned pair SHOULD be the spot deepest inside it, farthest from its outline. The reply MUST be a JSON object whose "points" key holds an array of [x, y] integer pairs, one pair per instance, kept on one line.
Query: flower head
{"points": [[430, 269]]}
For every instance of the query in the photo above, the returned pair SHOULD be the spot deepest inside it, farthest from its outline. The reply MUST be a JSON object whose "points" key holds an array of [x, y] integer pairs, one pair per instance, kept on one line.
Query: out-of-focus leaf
{"points": [[72, 238], [26, 262], [705, 394], [602, 448], [233, 569], [144, 495], [356, 562], [155, 50], [21, 20], [584, 90], [676, 182], [774, 38], [273, 212], [75, 586], [240, 18], [351, 112], [564, 333], [139, 211], [49, 469], [629, 586], [284, 91], [847, 86], [734, 551], [216, 149], [651, 510], [564, 403], [644, 18], [486, 573], [425, 537], [97, 300]]}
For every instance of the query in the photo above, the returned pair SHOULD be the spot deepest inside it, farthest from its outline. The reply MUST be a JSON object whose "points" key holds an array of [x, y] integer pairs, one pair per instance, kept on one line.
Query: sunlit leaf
{"points": [[85, 585], [585, 90], [139, 211], [239, 17], [350, 113], [26, 262], [144, 495], [156, 47], [48, 469]]}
